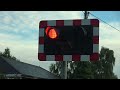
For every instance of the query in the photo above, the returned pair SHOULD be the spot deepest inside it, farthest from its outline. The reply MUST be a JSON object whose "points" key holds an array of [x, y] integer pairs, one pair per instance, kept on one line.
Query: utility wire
{"points": [[104, 22]]}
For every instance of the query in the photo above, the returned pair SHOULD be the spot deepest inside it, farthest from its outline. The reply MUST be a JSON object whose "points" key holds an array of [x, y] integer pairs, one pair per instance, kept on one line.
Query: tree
{"points": [[102, 69], [6, 53], [56, 68], [80, 70]]}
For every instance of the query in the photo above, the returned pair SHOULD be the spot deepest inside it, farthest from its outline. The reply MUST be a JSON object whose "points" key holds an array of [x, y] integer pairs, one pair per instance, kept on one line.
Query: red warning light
{"points": [[51, 32]]}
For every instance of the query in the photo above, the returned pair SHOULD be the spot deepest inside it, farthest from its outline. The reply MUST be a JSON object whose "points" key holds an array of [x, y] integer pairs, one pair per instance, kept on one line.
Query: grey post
{"points": [[86, 15], [64, 70], [64, 63]]}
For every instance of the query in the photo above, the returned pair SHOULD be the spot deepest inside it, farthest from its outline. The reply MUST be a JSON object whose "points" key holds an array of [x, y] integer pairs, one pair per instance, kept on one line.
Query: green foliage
{"points": [[80, 70], [56, 68], [102, 69], [7, 54]]}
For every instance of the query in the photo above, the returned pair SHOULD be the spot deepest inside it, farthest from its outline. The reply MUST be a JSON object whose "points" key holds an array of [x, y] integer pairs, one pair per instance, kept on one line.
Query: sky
{"points": [[19, 31]]}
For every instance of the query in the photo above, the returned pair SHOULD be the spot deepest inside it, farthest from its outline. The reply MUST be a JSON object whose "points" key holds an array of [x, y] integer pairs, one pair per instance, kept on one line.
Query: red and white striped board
{"points": [[93, 57]]}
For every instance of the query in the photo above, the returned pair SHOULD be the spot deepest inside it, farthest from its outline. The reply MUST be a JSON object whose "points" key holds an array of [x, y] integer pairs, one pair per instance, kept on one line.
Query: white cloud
{"points": [[25, 20], [7, 20], [8, 38]]}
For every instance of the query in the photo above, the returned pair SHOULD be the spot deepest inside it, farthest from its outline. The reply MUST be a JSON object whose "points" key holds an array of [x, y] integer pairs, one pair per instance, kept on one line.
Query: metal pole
{"points": [[64, 63], [64, 70], [86, 15]]}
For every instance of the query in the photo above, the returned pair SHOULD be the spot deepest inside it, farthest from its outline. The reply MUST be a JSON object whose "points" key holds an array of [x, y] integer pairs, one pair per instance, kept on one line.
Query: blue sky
{"points": [[19, 31]]}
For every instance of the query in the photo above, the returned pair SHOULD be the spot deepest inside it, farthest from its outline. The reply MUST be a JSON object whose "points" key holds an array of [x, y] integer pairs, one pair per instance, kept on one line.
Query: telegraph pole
{"points": [[64, 69], [86, 14], [64, 63]]}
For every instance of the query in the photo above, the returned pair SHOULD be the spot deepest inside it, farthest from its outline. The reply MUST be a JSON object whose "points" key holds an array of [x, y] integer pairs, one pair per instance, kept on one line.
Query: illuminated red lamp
{"points": [[51, 32]]}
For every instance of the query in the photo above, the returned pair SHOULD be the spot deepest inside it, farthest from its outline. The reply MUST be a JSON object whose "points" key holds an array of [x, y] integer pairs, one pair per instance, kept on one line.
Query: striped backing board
{"points": [[77, 22]]}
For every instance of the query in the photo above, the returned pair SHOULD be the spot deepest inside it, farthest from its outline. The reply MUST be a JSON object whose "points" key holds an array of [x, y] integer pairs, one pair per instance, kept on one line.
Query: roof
{"points": [[14, 66]]}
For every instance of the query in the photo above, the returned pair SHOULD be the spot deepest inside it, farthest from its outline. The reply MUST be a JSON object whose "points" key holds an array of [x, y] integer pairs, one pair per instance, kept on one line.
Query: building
{"points": [[15, 69]]}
